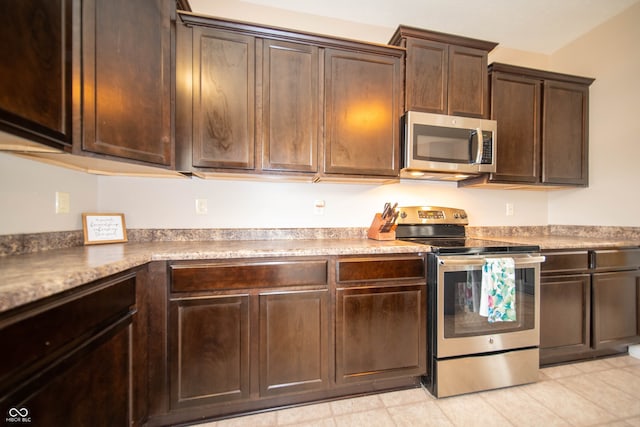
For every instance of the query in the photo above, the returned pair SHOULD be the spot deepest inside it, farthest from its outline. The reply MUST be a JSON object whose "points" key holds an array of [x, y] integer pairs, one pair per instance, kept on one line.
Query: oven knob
{"points": [[403, 214], [491, 340]]}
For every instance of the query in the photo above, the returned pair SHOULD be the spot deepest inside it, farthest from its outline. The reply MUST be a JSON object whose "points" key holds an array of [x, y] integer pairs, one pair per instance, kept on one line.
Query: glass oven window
{"points": [[462, 303], [441, 144]]}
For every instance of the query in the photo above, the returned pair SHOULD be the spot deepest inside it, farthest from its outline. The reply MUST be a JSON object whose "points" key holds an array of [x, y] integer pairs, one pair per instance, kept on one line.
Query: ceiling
{"points": [[541, 26]]}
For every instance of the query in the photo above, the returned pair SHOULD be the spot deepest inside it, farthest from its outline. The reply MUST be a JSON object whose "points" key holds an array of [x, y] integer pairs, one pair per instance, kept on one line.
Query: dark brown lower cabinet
{"points": [[294, 351], [380, 332], [214, 341], [245, 330], [72, 360], [589, 304], [565, 316], [210, 349], [381, 318], [616, 308], [243, 335]]}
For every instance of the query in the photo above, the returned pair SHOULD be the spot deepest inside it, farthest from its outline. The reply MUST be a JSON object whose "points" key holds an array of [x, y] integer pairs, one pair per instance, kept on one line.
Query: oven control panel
{"points": [[432, 215]]}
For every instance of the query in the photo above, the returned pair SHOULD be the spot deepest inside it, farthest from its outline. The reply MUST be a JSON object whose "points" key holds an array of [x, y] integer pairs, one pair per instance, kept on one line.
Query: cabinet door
{"points": [[126, 51], [223, 99], [616, 307], [293, 342], [427, 76], [515, 104], [362, 113], [291, 97], [69, 360], [380, 332], [35, 68], [564, 133], [209, 350], [565, 307], [468, 86], [88, 388]]}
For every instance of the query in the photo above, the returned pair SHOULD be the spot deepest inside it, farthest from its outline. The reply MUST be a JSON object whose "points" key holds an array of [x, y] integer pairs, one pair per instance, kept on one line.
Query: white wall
{"points": [[239, 204], [610, 53], [27, 196], [27, 189]]}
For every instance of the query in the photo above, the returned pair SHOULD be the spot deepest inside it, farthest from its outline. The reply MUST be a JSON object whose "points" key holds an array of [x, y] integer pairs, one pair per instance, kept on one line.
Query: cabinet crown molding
{"points": [[541, 74], [404, 31]]}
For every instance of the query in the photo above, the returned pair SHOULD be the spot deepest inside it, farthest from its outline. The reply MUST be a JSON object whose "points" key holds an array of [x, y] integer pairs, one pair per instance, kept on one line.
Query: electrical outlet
{"points": [[509, 209], [318, 207], [201, 207], [63, 202]]}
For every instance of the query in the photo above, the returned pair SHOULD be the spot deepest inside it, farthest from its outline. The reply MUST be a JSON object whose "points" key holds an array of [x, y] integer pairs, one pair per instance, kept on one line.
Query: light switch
{"points": [[201, 207], [63, 202]]}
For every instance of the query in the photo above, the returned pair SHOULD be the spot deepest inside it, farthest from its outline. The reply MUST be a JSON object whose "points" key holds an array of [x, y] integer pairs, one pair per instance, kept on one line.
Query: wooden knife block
{"points": [[375, 233]]}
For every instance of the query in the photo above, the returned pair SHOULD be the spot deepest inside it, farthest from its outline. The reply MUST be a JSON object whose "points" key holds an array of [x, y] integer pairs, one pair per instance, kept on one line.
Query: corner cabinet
{"points": [[445, 74], [74, 83], [542, 128], [255, 100], [86, 367]]}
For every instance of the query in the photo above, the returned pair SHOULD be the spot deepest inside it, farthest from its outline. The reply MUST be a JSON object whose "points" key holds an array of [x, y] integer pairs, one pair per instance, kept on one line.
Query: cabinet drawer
{"points": [[376, 269], [616, 259], [558, 262], [225, 276], [43, 331]]}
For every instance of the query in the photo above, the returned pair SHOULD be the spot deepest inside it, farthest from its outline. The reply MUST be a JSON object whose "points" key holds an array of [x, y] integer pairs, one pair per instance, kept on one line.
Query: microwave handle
{"points": [[480, 146]]}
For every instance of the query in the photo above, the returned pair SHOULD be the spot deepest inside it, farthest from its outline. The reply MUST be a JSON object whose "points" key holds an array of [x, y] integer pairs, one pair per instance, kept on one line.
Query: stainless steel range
{"points": [[483, 299]]}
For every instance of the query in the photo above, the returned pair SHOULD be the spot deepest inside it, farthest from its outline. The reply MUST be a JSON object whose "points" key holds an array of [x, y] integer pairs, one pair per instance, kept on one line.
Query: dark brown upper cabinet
{"points": [[291, 97], [36, 70], [126, 50], [542, 128], [445, 74], [363, 95], [90, 77], [224, 99], [267, 101]]}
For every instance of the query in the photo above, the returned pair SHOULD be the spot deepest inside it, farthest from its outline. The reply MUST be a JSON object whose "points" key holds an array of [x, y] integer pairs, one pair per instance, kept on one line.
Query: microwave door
{"points": [[445, 145]]}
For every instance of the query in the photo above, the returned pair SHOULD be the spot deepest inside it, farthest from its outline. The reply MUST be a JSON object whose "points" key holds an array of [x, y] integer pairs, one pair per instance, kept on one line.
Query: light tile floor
{"points": [[603, 392]]}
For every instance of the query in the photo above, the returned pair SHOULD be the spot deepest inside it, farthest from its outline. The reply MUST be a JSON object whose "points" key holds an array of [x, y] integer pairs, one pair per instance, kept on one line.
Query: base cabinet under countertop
{"points": [[380, 321], [236, 336], [590, 304], [77, 359]]}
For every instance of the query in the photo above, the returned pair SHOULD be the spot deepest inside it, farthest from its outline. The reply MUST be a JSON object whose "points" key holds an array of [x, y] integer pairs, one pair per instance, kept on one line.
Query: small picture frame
{"points": [[102, 228]]}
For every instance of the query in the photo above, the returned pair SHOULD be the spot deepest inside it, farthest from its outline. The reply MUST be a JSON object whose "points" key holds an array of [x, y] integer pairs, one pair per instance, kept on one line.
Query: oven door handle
{"points": [[480, 260]]}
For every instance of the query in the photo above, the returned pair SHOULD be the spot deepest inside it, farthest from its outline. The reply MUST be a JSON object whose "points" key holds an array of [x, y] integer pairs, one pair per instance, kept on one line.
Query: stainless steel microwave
{"points": [[441, 147]]}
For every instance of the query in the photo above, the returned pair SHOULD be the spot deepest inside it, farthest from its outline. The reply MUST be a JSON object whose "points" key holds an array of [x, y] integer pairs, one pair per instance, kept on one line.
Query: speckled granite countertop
{"points": [[562, 236], [30, 277], [568, 242]]}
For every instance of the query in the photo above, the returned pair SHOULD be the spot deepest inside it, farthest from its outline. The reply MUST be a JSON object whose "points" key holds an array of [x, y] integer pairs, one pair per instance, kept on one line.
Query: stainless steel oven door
{"points": [[461, 329]]}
